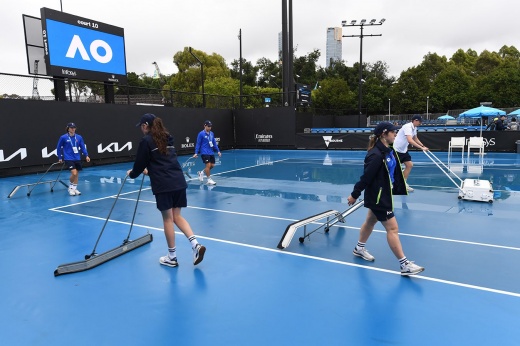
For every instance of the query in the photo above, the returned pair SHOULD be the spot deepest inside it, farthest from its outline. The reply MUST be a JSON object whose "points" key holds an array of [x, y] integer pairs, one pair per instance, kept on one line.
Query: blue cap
{"points": [[147, 119], [417, 117], [384, 126], [71, 125], [208, 123]]}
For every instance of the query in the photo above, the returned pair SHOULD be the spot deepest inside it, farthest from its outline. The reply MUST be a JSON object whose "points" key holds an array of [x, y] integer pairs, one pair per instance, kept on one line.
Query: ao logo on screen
{"points": [[76, 45]]}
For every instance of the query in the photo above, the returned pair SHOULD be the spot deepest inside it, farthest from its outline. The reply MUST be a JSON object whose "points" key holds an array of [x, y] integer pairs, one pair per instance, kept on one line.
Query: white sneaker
{"points": [[77, 192], [363, 253], [165, 260], [198, 254], [71, 192], [411, 268], [211, 182], [201, 176], [409, 188]]}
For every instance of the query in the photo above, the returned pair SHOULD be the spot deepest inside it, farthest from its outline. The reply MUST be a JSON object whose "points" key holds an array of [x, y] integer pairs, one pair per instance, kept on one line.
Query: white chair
{"points": [[476, 143], [456, 143]]}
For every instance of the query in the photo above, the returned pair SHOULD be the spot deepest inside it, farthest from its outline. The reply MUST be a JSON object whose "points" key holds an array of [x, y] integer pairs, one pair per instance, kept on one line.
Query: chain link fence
{"points": [[13, 86], [33, 87]]}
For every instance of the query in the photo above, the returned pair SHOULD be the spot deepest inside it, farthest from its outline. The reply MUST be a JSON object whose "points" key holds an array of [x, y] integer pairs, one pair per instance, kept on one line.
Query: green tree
{"points": [[452, 89], [487, 62], [334, 93], [500, 87], [249, 76], [188, 77], [305, 67]]}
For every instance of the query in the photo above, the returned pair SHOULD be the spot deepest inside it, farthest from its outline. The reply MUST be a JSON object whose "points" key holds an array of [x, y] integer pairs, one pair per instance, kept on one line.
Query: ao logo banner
{"points": [[75, 47]]}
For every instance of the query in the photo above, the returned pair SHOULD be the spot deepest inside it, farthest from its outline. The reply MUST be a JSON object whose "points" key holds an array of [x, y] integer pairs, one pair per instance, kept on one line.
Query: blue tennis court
{"points": [[247, 291]]}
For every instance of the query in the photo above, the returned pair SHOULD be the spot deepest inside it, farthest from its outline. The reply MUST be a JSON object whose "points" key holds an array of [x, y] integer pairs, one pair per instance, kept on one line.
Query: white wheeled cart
{"points": [[469, 189]]}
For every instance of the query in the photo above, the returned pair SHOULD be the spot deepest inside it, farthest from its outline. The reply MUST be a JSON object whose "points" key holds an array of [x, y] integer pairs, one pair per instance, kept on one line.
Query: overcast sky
{"points": [[156, 29]]}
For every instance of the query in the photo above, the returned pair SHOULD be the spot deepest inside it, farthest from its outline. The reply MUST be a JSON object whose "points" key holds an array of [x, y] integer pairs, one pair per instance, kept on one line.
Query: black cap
{"points": [[208, 123], [146, 119], [71, 125], [384, 126], [417, 117]]}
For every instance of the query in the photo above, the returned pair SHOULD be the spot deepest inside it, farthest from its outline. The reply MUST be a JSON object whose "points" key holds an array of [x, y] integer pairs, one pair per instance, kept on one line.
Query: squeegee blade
{"points": [[94, 261]]}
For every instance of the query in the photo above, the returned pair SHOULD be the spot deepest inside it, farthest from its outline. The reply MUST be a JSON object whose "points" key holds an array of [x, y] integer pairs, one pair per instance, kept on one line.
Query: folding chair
{"points": [[456, 143], [476, 143]]}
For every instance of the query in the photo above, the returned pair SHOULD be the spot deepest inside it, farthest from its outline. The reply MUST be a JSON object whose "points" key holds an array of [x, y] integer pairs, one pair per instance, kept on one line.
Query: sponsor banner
{"points": [[265, 127], [502, 141], [109, 131]]}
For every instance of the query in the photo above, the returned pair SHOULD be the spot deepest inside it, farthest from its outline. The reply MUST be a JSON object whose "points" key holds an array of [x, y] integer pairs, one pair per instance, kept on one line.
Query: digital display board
{"points": [[303, 95], [81, 48]]}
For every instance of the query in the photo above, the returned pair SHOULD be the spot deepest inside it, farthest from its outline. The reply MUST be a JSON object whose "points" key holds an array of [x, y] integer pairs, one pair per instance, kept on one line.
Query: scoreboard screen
{"points": [[81, 48]]}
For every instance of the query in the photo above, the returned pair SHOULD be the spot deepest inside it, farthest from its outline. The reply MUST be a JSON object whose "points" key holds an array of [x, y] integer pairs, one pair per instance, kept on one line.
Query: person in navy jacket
{"points": [[206, 146], [382, 178], [68, 149], [157, 158]]}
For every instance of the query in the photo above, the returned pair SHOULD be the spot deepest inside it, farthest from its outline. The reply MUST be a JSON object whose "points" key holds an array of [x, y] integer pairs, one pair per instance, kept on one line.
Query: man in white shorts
{"points": [[408, 135]]}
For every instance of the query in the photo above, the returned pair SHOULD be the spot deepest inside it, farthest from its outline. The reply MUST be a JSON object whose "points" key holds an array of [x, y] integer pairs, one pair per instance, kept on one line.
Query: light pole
{"points": [[240, 67], [427, 107], [361, 24], [201, 78], [388, 109]]}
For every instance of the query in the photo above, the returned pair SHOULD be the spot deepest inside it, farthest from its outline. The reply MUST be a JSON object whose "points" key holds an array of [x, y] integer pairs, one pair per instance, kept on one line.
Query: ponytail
{"points": [[160, 135], [372, 141]]}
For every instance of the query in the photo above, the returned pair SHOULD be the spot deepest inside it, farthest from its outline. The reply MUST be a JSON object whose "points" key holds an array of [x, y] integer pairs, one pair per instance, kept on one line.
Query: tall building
{"points": [[334, 45]]}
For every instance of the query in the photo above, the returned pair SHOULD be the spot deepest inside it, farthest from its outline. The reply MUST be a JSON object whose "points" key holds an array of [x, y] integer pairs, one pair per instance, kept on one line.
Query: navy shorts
{"points": [[172, 199], [382, 215], [73, 165], [404, 157], [208, 158]]}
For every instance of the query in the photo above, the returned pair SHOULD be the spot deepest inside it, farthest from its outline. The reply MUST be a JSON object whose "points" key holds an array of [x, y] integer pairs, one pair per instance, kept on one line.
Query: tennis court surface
{"points": [[247, 291]]}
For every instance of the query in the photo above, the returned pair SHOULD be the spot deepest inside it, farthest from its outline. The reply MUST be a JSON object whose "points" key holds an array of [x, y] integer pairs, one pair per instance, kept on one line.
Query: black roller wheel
{"points": [[301, 239]]}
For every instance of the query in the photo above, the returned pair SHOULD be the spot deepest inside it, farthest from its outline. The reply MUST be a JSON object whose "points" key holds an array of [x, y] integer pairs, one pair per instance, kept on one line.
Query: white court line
{"points": [[149, 188], [345, 226], [452, 283], [241, 169]]}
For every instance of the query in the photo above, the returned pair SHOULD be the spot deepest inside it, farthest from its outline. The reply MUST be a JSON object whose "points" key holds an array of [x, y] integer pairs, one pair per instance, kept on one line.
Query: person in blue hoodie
{"points": [[382, 178], [157, 158], [206, 146], [68, 150]]}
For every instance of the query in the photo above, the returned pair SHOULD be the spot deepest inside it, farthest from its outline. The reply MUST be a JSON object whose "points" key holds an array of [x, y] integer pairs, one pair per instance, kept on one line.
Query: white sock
{"points": [[193, 241], [403, 261], [172, 252]]}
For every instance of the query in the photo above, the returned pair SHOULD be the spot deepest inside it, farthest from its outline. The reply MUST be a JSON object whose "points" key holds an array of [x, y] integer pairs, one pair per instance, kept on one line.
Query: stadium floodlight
{"points": [[361, 81], [343, 22]]}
